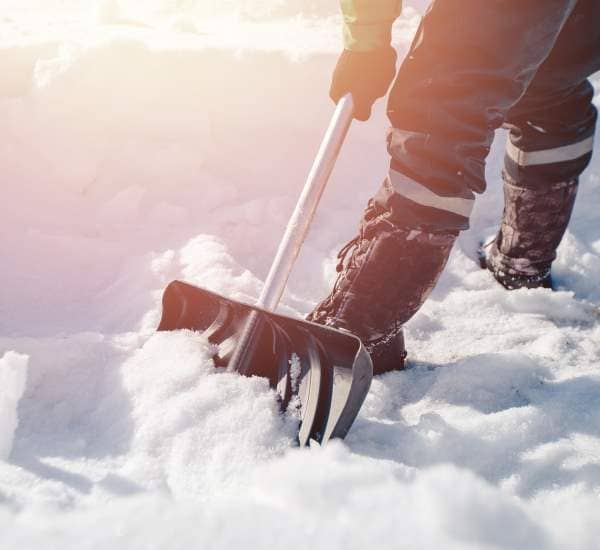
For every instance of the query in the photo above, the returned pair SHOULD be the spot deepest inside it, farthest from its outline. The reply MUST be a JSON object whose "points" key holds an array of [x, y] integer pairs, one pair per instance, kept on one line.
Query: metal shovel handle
{"points": [[299, 223]]}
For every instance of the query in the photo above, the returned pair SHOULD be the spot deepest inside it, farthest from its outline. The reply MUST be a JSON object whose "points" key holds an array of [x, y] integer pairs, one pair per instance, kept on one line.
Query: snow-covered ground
{"points": [[171, 141]]}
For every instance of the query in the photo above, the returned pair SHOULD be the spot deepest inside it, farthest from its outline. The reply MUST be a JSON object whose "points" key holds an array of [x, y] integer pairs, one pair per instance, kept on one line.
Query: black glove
{"points": [[366, 75]]}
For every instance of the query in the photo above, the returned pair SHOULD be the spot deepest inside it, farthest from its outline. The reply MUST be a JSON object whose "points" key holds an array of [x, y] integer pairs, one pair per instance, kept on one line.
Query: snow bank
{"points": [[13, 377], [109, 208]]}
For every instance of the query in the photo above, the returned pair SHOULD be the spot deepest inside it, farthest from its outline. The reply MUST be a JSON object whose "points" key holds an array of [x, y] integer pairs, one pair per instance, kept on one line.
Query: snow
{"points": [[147, 142], [13, 377]]}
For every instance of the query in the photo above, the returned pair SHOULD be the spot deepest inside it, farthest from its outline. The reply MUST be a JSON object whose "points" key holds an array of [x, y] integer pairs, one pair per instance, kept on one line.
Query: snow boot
{"points": [[385, 275], [534, 222]]}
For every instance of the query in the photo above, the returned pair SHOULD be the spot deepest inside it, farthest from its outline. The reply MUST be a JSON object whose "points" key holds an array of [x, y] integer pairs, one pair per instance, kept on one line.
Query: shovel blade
{"points": [[327, 371]]}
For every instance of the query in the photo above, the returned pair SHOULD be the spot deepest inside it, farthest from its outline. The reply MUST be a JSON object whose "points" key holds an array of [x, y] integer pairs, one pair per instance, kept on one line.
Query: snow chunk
{"points": [[13, 376]]}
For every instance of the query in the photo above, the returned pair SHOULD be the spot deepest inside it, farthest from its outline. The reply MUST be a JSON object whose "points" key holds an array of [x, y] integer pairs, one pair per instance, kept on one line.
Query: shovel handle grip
{"points": [[300, 221]]}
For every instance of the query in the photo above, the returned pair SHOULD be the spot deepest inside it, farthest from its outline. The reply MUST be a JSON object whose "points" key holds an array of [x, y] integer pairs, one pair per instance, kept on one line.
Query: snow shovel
{"points": [[321, 372]]}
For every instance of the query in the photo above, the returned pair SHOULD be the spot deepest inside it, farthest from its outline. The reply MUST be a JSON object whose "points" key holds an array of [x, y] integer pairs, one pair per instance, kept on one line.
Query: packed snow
{"points": [[143, 144]]}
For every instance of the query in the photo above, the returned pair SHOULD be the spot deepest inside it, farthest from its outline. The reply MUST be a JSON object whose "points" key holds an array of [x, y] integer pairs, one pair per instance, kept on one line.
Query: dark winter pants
{"points": [[478, 64]]}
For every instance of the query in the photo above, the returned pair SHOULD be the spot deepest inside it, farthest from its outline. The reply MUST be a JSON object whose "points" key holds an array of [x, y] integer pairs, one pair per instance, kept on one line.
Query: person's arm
{"points": [[367, 65], [368, 23]]}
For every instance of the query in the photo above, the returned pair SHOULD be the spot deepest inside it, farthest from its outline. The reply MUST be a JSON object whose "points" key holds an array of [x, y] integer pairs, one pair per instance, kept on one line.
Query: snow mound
{"points": [[195, 429], [13, 377]]}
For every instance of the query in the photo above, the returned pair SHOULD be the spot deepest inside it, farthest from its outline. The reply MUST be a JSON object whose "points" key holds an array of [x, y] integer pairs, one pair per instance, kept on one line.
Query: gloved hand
{"points": [[366, 75]]}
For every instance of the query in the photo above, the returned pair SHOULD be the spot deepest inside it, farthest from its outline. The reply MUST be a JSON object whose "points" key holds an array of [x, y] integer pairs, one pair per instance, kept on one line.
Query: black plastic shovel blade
{"points": [[327, 371]]}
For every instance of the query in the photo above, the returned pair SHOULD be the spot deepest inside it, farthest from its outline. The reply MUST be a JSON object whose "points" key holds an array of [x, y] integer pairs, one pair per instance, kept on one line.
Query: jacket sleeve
{"points": [[368, 23]]}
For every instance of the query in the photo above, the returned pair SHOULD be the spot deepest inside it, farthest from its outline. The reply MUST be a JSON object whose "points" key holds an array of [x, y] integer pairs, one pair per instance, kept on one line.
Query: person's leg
{"points": [[455, 87], [550, 144], [385, 274]]}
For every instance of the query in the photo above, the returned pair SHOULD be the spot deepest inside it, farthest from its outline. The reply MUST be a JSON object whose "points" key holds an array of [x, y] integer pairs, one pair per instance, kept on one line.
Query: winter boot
{"points": [[385, 274], [534, 222]]}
